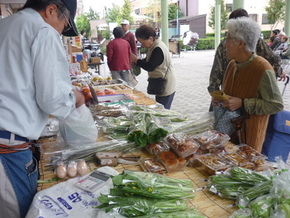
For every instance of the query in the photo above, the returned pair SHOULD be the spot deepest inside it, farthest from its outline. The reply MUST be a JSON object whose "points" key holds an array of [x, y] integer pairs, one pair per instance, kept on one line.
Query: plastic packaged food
{"points": [[151, 165], [250, 153], [181, 144], [157, 147], [193, 160], [238, 160], [171, 161], [211, 139], [214, 163]]}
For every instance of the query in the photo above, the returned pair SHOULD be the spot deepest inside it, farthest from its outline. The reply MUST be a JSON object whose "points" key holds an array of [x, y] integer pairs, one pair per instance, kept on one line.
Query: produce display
{"points": [[140, 193]]}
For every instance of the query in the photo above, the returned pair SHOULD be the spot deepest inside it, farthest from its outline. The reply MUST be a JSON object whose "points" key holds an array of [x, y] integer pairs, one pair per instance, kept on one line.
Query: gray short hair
{"points": [[246, 29]]}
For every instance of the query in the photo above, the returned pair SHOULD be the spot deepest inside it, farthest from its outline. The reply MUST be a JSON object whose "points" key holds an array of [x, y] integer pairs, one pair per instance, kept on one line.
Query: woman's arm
{"points": [[155, 60], [269, 100]]}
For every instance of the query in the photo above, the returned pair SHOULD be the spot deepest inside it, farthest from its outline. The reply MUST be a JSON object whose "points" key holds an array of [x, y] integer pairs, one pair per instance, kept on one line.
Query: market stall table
{"points": [[207, 203]]}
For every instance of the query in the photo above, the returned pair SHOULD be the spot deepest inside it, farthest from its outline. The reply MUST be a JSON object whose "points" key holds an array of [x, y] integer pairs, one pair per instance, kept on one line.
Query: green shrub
{"points": [[207, 43], [266, 33]]}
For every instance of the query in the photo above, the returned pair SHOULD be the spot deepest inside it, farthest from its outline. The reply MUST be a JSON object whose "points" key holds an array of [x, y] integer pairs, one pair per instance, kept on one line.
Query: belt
{"points": [[6, 135]]}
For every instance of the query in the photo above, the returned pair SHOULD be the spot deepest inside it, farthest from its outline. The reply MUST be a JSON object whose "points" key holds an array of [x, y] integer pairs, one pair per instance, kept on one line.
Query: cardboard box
{"points": [[95, 60]]}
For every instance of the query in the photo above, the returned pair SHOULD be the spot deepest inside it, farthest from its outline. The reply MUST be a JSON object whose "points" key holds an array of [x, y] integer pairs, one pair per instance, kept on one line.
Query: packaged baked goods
{"points": [[210, 139], [171, 161], [157, 147], [250, 153], [238, 160], [181, 144], [152, 165], [214, 163], [192, 160]]}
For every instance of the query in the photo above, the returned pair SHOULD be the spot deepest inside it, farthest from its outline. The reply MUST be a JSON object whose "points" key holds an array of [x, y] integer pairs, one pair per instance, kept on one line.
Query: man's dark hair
{"points": [[277, 30], [82, 32], [41, 6], [240, 12], [118, 32]]}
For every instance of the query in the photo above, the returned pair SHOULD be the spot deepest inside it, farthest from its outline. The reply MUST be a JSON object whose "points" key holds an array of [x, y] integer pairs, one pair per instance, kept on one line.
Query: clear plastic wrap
{"points": [[214, 164], [181, 144], [151, 165], [157, 147], [211, 139], [171, 161]]}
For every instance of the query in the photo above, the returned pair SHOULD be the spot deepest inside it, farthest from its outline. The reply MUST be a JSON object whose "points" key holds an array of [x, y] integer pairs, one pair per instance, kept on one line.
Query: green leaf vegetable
{"points": [[151, 185], [137, 206]]}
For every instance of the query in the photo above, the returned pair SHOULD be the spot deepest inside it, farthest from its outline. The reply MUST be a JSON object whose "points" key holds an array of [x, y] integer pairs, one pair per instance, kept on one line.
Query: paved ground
{"points": [[192, 69]]}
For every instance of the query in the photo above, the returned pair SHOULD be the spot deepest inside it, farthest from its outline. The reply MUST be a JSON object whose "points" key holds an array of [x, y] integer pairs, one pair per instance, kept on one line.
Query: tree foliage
{"points": [[83, 21], [113, 14], [224, 16], [154, 8], [276, 12], [173, 9], [126, 11]]}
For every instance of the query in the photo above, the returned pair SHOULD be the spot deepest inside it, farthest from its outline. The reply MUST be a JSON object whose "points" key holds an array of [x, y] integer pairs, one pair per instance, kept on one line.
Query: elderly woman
{"points": [[157, 63], [249, 81]]}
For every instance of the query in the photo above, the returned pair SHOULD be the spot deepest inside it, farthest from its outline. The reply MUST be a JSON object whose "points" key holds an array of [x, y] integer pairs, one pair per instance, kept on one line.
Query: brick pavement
{"points": [[192, 69]]}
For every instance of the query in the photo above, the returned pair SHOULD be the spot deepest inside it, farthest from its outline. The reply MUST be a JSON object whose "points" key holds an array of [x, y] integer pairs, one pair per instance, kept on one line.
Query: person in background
{"points": [[118, 56], [283, 45], [221, 60], [35, 83], [83, 37], [157, 30], [273, 36], [157, 63], [276, 41], [249, 81], [129, 36]]}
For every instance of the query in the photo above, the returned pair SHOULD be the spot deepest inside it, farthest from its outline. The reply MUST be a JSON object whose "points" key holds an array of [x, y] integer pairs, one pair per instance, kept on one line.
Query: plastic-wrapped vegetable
{"points": [[137, 206], [226, 187], [190, 213], [261, 206], [151, 185], [241, 213], [247, 176], [250, 194]]}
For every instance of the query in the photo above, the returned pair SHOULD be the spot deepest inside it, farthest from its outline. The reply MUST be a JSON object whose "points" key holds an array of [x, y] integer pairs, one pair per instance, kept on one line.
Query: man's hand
{"points": [[80, 98], [233, 104]]}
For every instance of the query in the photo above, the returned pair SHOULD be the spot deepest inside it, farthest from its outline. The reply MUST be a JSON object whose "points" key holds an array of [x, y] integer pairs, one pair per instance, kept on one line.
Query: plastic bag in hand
{"points": [[79, 128]]}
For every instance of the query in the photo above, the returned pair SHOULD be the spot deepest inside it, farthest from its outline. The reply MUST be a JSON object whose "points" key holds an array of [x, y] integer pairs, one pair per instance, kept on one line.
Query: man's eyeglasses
{"points": [[68, 26]]}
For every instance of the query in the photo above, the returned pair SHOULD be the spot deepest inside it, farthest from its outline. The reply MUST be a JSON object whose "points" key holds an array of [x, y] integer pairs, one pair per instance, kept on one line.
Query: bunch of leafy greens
{"points": [[146, 129], [141, 193]]}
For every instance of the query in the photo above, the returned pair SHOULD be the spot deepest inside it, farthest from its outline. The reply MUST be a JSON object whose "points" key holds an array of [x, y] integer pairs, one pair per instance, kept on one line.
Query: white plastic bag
{"points": [[67, 200], [79, 128]]}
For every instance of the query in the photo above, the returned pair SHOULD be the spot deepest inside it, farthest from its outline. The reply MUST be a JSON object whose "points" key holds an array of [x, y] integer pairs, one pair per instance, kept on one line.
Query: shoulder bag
{"points": [[156, 85]]}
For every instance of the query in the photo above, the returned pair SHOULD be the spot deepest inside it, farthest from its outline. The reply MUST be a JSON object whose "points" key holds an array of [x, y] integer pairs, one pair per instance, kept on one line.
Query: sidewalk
{"points": [[193, 69]]}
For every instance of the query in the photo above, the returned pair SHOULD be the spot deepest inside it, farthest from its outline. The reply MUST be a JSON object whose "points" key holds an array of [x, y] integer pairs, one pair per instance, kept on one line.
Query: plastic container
{"points": [[238, 160], [151, 165], [157, 147], [250, 153], [211, 139], [171, 161], [181, 144], [213, 163]]}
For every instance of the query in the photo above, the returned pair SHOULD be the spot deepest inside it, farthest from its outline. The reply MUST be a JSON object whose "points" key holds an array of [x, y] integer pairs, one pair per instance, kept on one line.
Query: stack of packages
{"points": [[149, 195]]}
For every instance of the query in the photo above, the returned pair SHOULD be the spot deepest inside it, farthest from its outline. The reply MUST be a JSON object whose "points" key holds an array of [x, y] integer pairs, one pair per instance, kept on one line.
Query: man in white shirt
{"points": [[34, 83]]}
